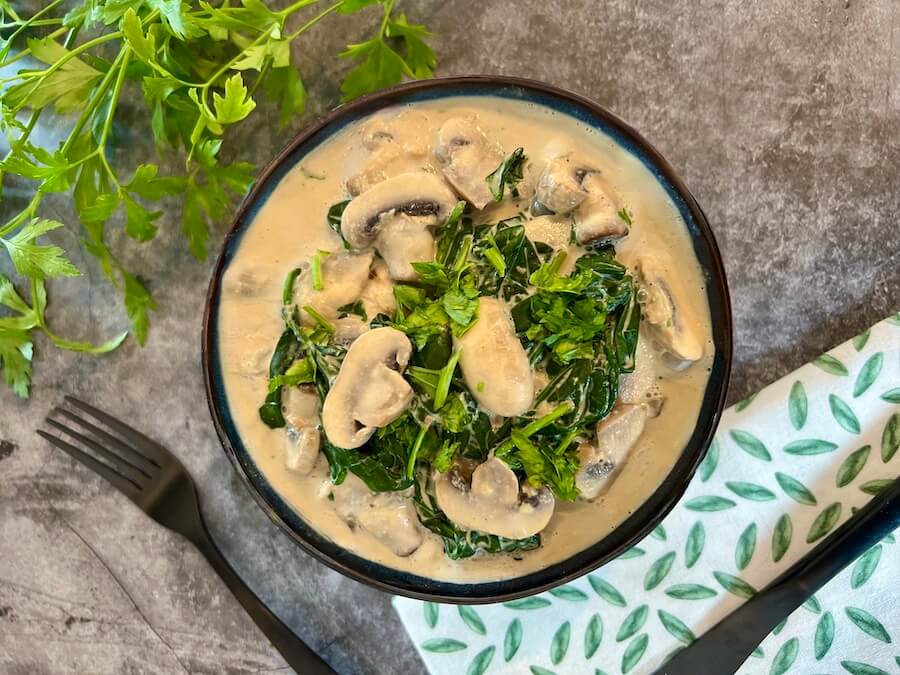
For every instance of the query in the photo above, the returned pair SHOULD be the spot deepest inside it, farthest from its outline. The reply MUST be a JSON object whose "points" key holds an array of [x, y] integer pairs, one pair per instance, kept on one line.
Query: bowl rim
{"points": [[639, 523]]}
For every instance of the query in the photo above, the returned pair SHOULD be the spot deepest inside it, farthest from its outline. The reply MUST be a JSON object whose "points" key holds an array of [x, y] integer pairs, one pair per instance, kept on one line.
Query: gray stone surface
{"points": [[784, 120]]}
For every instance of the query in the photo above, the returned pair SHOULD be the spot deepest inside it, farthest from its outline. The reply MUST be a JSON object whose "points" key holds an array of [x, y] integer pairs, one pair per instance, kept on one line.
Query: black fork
{"points": [[154, 479]]}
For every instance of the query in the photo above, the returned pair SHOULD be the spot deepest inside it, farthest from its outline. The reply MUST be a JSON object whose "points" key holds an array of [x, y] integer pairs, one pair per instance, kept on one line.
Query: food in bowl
{"points": [[466, 338]]}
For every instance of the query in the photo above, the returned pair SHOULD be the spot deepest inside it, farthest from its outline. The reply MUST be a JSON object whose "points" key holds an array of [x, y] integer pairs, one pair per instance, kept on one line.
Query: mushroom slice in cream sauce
{"points": [[403, 172]]}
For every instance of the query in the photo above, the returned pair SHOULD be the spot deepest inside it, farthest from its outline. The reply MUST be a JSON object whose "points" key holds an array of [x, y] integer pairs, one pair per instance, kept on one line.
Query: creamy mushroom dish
{"points": [[465, 338]]}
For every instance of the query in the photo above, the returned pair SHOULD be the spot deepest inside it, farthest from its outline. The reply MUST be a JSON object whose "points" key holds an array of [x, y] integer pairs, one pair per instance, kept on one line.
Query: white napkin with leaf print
{"points": [[787, 467]]}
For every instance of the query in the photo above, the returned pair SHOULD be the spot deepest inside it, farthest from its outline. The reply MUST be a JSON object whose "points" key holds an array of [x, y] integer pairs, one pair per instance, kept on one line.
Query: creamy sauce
{"points": [[291, 227]]}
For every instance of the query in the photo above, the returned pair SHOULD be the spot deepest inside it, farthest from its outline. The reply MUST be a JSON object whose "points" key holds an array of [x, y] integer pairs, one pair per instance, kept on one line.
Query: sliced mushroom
{"points": [[603, 458], [398, 143], [494, 363], [550, 230], [369, 390], [665, 310], [301, 412], [492, 502], [389, 517], [375, 169], [403, 241], [559, 189], [348, 328], [394, 217], [408, 130], [641, 385], [468, 158], [418, 194], [597, 217], [378, 295], [344, 276]]}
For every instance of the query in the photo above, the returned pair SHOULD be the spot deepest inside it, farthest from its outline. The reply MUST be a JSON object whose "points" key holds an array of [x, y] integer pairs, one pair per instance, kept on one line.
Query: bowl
{"points": [[640, 522]]}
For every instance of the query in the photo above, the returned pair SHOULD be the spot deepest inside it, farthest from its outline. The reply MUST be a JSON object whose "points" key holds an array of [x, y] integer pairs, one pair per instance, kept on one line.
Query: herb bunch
{"points": [[200, 68], [579, 329]]}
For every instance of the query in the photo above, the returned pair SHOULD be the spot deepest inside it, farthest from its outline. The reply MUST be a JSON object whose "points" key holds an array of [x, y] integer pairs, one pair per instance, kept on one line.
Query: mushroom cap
{"points": [[344, 277], [369, 390], [559, 188], [550, 230], [301, 449], [403, 241], [670, 318], [300, 406], [641, 385], [603, 458], [419, 194], [597, 217], [494, 363], [378, 295], [492, 502], [388, 517], [468, 158]]}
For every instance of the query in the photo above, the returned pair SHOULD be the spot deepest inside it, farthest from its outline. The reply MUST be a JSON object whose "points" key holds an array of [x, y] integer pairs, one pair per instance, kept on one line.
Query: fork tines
{"points": [[122, 455]]}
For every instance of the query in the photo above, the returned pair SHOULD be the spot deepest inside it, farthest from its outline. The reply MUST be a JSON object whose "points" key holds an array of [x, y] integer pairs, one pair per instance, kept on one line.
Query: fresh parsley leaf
{"points": [[67, 87], [379, 67], [356, 308], [139, 224], [138, 303], [16, 352], [420, 58], [147, 184], [432, 274], [285, 86], [35, 260], [508, 175], [143, 45], [301, 371], [443, 460], [235, 104], [461, 304], [544, 466], [424, 322], [454, 416], [351, 6]]}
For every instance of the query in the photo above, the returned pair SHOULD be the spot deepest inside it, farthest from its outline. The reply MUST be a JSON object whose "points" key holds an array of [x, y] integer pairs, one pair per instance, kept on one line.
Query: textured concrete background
{"points": [[784, 120]]}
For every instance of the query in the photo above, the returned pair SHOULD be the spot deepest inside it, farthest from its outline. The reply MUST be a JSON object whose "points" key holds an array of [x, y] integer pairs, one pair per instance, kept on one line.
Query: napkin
{"points": [[788, 466]]}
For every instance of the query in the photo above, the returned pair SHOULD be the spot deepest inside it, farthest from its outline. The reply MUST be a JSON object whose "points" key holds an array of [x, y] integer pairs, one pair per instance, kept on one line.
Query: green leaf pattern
{"points": [[782, 474]]}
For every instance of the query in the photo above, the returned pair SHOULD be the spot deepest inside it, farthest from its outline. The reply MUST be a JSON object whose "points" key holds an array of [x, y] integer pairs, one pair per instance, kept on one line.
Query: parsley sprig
{"points": [[200, 68]]}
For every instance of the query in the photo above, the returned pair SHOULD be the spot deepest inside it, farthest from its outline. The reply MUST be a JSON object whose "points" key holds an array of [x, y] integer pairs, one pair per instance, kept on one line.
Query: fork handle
{"points": [[297, 653], [731, 641]]}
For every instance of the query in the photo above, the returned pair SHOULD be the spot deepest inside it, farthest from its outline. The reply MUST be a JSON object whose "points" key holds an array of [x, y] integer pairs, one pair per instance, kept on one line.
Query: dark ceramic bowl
{"points": [[645, 518]]}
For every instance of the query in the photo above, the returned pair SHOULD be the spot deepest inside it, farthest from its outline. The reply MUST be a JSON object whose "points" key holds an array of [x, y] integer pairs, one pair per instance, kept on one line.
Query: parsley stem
{"points": [[93, 103], [533, 427], [287, 291], [32, 21], [90, 44], [318, 283], [300, 4], [388, 8], [444, 380], [114, 101], [494, 256], [319, 319], [414, 452], [313, 21], [38, 196]]}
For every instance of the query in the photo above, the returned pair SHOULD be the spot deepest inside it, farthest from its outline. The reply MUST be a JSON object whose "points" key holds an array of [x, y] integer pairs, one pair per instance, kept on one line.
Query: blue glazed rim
{"points": [[640, 522]]}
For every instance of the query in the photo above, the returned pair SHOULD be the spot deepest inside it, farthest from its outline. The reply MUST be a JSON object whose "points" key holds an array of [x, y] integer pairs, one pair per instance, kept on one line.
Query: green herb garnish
{"points": [[508, 175], [200, 69]]}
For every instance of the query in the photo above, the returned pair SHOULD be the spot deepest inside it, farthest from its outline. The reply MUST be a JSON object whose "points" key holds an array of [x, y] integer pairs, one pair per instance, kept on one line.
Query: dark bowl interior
{"points": [[636, 526]]}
